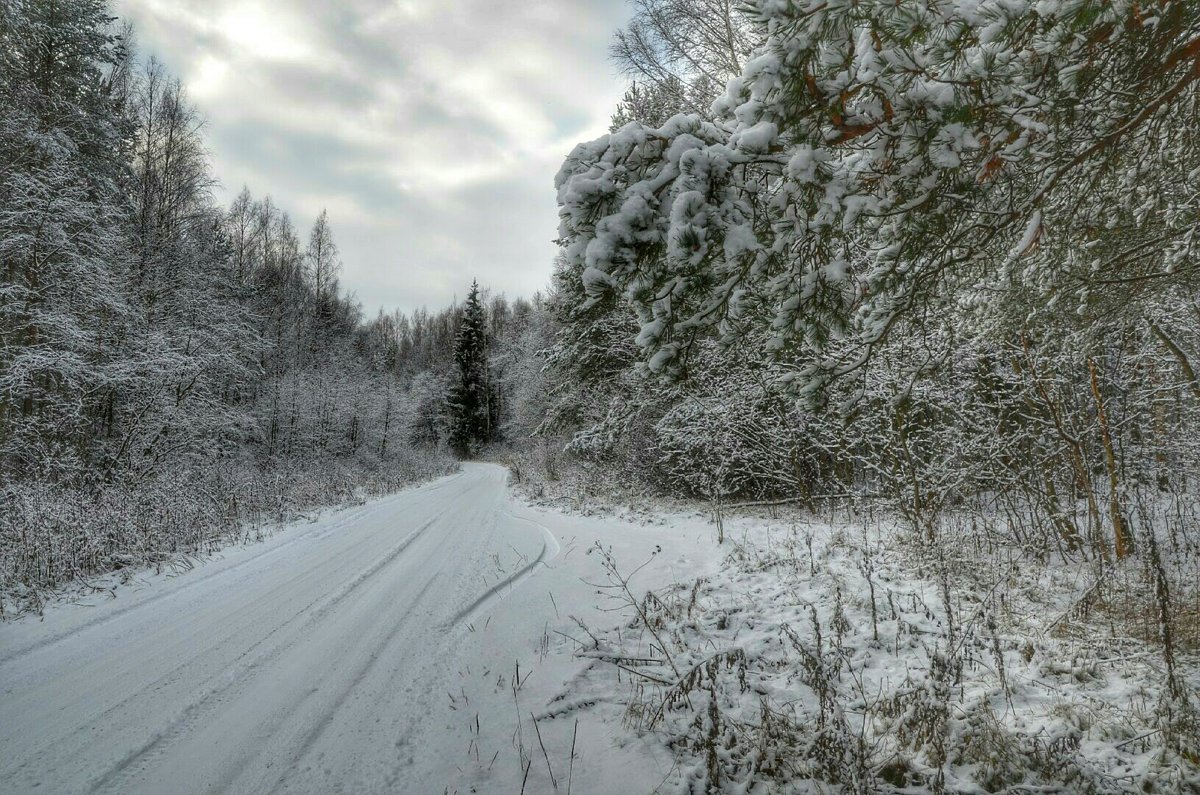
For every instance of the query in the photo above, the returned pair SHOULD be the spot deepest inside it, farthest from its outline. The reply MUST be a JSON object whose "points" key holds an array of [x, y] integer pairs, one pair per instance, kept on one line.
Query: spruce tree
{"points": [[469, 400]]}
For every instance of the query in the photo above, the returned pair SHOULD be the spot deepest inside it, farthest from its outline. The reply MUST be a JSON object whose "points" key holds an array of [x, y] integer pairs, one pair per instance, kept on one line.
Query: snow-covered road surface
{"points": [[374, 650]]}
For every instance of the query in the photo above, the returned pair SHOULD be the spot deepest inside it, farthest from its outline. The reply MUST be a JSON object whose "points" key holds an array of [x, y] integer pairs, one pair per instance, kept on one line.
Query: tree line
{"points": [[172, 372], [826, 254], [939, 259], [938, 254]]}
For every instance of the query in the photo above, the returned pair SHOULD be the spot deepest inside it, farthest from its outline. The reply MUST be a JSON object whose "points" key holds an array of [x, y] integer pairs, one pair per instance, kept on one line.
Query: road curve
{"points": [[303, 664]]}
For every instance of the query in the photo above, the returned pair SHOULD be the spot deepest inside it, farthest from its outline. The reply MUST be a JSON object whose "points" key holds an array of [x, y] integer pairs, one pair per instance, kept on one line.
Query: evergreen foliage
{"points": [[471, 401]]}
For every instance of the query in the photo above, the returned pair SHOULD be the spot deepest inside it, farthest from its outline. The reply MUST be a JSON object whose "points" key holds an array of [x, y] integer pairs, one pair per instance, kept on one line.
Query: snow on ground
{"points": [[455, 639], [402, 646], [836, 657]]}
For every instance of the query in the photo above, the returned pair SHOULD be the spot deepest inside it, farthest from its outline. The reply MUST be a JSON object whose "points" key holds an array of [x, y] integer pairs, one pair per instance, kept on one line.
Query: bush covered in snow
{"points": [[851, 657], [53, 536]]}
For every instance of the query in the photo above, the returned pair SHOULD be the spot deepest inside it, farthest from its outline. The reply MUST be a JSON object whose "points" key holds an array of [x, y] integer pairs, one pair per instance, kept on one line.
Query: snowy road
{"points": [[371, 651]]}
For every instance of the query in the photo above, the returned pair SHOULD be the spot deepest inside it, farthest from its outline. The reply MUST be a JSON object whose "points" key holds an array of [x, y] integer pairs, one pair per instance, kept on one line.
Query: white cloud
{"points": [[430, 129], [253, 27]]}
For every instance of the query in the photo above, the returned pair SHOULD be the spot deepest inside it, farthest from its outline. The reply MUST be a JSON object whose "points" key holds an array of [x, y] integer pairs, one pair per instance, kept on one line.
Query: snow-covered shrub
{"points": [[54, 535], [731, 432], [801, 666]]}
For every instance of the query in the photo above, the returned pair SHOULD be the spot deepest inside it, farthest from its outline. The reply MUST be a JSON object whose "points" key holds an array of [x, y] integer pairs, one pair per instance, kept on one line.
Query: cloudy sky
{"points": [[430, 129]]}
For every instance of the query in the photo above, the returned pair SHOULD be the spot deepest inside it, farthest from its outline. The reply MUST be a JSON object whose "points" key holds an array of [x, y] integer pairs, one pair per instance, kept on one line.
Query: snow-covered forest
{"points": [[904, 298], [173, 372]]}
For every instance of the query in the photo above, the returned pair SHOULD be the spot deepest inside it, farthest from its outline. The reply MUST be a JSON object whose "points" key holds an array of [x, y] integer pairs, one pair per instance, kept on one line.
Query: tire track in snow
{"points": [[237, 673], [207, 577], [178, 671], [313, 735], [550, 550]]}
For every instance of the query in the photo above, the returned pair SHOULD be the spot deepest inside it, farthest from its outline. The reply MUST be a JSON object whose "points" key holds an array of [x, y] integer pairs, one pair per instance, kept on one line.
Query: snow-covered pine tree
{"points": [[62, 312], [470, 398], [951, 228], [877, 163]]}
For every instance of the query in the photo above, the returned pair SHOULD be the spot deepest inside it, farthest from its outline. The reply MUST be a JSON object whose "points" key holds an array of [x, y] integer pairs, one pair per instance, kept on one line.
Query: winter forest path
{"points": [[372, 651]]}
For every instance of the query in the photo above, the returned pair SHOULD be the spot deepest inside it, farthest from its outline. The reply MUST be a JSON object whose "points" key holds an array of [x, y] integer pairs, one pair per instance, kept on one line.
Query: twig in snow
{"points": [[545, 755], [528, 765], [571, 769]]}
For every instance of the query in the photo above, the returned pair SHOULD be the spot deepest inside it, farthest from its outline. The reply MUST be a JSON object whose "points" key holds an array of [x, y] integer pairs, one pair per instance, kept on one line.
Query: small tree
{"points": [[322, 258], [470, 397]]}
